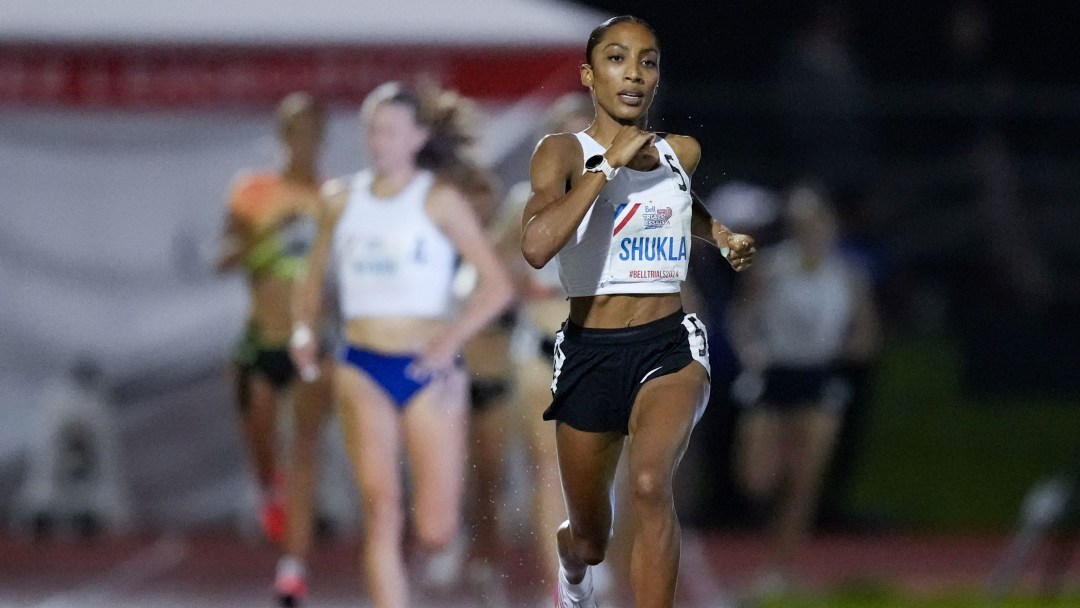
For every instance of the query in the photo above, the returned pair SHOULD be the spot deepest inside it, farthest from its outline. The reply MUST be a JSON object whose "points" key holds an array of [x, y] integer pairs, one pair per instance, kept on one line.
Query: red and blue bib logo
{"points": [[651, 216]]}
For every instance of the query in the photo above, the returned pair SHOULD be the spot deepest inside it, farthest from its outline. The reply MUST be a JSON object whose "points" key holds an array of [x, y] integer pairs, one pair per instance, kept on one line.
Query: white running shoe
{"points": [[563, 599], [290, 583]]}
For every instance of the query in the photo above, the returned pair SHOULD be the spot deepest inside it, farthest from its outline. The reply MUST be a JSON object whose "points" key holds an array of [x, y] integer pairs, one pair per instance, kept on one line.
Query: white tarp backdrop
{"points": [[110, 211]]}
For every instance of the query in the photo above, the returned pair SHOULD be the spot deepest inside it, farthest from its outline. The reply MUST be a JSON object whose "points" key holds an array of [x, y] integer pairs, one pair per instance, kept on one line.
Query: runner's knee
{"points": [[592, 550], [651, 486], [382, 508], [590, 542], [436, 533]]}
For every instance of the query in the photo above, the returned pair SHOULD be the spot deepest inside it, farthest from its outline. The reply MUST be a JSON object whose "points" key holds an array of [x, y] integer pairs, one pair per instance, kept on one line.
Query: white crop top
{"points": [[390, 258], [806, 313], [636, 237]]}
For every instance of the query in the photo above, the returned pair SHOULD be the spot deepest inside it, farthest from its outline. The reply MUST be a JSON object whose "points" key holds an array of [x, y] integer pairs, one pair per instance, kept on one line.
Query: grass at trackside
{"points": [[934, 460]]}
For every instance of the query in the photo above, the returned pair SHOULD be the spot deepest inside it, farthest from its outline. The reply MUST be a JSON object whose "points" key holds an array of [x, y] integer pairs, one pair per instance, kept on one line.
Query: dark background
{"points": [[901, 41]]}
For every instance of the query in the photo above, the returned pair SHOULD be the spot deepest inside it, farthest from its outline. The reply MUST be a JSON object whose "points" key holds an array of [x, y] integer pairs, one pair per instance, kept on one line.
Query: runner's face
{"points": [[304, 135], [624, 71], [394, 137]]}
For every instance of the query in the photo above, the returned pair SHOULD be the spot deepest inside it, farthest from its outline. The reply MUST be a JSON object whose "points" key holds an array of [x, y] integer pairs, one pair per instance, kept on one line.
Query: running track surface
{"points": [[221, 569]]}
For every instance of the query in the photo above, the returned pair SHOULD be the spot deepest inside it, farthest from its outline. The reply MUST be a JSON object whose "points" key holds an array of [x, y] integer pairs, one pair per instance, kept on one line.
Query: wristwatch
{"points": [[598, 164]]}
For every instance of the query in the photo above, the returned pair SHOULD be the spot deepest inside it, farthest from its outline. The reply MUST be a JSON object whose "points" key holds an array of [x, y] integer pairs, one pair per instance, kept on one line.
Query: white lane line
{"points": [[141, 567]]}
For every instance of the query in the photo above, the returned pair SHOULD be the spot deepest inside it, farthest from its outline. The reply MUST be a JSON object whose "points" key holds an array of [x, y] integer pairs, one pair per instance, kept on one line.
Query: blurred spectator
{"points": [[75, 481], [804, 311], [755, 209]]}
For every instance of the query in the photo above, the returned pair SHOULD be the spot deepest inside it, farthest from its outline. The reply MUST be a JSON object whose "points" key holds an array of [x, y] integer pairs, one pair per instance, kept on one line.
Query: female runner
{"points": [[270, 231], [613, 205], [395, 231]]}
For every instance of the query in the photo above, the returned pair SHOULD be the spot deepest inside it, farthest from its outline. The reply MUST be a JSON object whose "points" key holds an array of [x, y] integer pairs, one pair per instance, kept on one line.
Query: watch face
{"points": [[594, 161]]}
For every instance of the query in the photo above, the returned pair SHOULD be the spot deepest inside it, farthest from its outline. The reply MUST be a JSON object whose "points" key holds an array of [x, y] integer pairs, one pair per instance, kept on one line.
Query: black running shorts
{"points": [[797, 387], [598, 372]]}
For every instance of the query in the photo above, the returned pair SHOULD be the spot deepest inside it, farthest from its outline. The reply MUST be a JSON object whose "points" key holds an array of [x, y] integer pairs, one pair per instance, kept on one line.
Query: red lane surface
{"points": [[223, 570]]}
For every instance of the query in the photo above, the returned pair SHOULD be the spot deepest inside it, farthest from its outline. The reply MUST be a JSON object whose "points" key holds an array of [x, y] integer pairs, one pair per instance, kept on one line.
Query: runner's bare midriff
{"points": [[270, 312], [616, 311], [393, 335]]}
